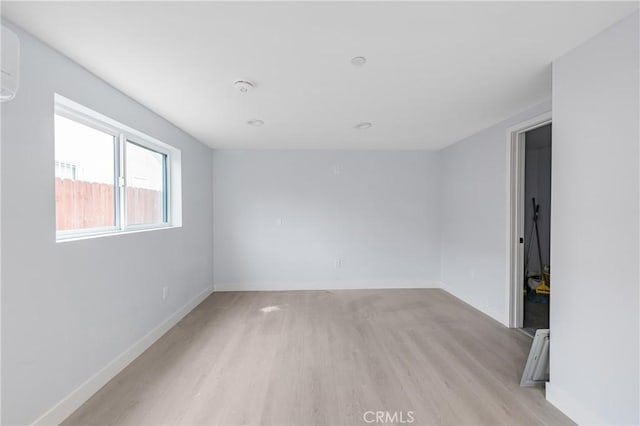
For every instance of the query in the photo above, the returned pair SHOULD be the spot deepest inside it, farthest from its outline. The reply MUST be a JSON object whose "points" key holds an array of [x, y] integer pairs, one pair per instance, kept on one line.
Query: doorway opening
{"points": [[529, 147], [537, 229]]}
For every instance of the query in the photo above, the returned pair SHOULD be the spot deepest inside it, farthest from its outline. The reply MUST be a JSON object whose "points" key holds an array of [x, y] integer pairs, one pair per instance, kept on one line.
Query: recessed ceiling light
{"points": [[359, 61], [255, 123], [244, 86], [363, 125]]}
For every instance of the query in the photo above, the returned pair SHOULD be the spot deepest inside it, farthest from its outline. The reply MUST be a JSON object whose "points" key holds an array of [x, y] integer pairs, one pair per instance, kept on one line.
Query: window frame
{"points": [[165, 184], [122, 134]]}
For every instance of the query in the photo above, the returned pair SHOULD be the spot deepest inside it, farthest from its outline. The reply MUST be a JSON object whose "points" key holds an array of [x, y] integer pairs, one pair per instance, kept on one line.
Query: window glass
{"points": [[85, 176], [146, 185]]}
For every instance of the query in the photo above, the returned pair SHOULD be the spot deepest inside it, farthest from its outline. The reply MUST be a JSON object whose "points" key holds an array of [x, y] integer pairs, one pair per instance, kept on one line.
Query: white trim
{"points": [[131, 230], [514, 206], [325, 285], [570, 407], [75, 235], [73, 401]]}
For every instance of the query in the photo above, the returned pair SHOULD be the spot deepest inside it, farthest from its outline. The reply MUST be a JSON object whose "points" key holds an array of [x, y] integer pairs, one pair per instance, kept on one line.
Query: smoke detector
{"points": [[358, 61], [244, 86], [364, 125]]}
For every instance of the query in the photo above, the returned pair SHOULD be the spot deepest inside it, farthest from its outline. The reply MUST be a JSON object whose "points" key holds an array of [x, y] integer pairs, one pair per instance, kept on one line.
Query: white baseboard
{"points": [[63, 409], [325, 285], [573, 409]]}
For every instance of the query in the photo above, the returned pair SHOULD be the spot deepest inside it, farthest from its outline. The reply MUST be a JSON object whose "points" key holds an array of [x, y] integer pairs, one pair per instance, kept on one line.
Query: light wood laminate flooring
{"points": [[326, 358]]}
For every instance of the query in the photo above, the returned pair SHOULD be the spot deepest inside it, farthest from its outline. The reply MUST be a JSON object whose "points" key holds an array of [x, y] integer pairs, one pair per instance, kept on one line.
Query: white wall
{"points": [[594, 243], [474, 216], [283, 218], [68, 309]]}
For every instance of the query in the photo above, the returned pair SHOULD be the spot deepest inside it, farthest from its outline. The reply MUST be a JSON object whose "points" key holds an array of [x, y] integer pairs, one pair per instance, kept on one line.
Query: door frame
{"points": [[515, 215]]}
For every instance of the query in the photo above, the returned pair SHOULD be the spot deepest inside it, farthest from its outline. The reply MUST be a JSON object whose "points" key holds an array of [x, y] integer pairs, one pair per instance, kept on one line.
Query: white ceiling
{"points": [[436, 72]]}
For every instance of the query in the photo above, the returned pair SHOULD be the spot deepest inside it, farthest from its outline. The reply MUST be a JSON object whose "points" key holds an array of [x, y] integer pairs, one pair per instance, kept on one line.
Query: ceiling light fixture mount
{"points": [[255, 123], [244, 86], [358, 61], [364, 125]]}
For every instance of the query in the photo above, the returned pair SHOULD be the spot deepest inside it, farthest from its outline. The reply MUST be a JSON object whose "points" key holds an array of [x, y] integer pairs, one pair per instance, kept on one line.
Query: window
{"points": [[109, 178], [85, 177], [146, 189]]}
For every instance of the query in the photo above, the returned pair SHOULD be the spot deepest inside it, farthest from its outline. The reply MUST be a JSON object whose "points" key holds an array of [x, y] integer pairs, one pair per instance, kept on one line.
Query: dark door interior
{"points": [[537, 229]]}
